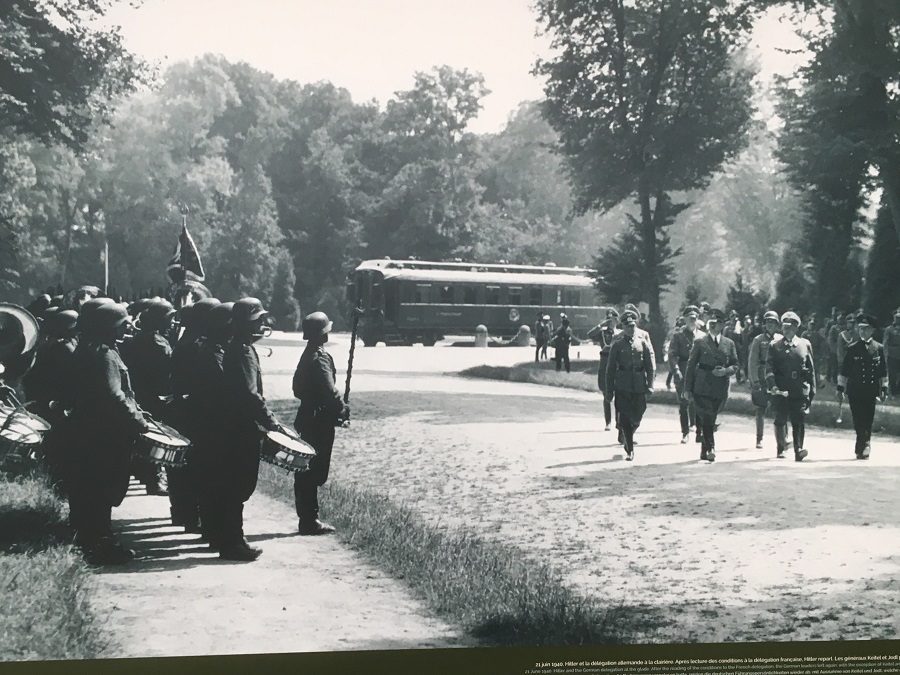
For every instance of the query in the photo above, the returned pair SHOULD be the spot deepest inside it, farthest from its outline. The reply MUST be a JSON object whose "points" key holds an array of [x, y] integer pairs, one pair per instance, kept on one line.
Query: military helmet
{"points": [[157, 313], [57, 322], [248, 309], [103, 316], [218, 317], [198, 314], [316, 325]]}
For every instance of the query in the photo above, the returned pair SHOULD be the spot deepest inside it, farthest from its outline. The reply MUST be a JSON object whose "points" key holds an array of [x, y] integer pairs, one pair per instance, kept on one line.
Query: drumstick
{"points": [[840, 411], [356, 312]]}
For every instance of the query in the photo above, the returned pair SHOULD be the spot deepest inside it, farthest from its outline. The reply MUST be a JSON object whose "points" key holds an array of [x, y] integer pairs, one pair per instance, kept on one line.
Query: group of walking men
{"points": [[702, 359], [102, 386]]}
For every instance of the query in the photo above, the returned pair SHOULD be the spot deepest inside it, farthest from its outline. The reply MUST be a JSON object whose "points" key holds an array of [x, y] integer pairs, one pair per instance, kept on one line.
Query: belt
{"points": [[706, 366], [632, 369]]}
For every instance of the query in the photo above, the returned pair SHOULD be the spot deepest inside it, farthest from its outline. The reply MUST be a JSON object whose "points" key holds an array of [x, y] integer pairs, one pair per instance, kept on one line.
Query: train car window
{"points": [[446, 294], [470, 295], [514, 296], [559, 296], [571, 298], [536, 296], [422, 292], [407, 293], [492, 295]]}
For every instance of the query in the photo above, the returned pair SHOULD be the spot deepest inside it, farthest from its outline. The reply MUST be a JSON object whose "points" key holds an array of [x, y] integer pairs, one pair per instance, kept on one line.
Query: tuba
{"points": [[19, 334]]}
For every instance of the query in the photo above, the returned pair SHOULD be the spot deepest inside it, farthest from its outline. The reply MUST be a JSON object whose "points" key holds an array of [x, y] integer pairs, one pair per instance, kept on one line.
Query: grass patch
{"points": [[43, 582], [583, 377], [494, 591]]}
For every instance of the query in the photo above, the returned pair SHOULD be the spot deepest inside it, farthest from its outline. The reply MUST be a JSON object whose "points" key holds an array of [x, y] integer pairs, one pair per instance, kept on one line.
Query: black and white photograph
{"points": [[502, 336]]}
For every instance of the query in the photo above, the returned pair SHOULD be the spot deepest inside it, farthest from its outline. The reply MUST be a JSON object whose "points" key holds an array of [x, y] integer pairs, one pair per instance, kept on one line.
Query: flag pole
{"points": [[105, 266]]}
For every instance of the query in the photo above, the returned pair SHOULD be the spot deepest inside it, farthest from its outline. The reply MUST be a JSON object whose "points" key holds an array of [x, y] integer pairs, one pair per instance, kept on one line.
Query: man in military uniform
{"points": [[603, 334], [846, 337], [629, 377], [149, 361], [101, 429], [561, 342], [248, 422], [321, 410], [864, 377], [183, 481], [756, 370], [679, 352], [50, 385], [209, 401], [707, 381], [790, 377], [892, 354]]}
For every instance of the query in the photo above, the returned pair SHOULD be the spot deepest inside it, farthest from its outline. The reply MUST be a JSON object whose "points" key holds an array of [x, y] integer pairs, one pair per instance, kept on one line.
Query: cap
{"points": [[612, 313], [248, 309], [866, 320], [715, 315], [632, 308], [546, 317], [790, 317], [771, 316], [315, 325], [850, 317], [691, 310], [628, 319]]}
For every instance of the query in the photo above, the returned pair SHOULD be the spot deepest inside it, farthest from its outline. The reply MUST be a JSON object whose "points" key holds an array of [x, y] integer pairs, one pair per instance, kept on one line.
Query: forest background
{"points": [[286, 186]]}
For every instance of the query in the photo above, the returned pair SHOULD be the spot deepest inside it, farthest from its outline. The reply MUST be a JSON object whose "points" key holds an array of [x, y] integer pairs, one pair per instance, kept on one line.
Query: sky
{"points": [[373, 48]]}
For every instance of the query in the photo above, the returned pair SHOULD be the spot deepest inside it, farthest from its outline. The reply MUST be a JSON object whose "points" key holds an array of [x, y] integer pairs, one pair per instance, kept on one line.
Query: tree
{"points": [[744, 299], [647, 99], [882, 294], [59, 69], [793, 288]]}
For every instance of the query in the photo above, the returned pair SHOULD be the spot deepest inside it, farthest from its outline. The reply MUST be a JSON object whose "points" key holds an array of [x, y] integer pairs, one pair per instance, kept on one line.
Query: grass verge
{"points": [[44, 584], [494, 591], [823, 413]]}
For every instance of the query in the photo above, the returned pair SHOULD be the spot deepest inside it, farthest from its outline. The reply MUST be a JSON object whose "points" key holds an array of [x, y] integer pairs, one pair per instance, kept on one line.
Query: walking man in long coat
{"points": [[629, 377], [863, 375], [790, 376], [679, 352], [756, 370], [712, 362]]}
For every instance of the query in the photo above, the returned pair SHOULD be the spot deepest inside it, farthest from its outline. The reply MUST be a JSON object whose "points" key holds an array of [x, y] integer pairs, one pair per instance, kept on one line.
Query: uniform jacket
{"points": [[643, 335], [631, 365], [790, 367], [680, 349], [541, 332], [705, 356], [314, 384], [756, 359], [51, 377], [149, 360], [892, 342], [844, 340], [563, 337], [243, 380], [864, 369]]}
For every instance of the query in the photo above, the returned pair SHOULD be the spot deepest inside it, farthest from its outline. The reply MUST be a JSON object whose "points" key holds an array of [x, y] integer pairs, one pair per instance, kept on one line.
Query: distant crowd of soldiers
{"points": [[774, 353], [105, 373]]}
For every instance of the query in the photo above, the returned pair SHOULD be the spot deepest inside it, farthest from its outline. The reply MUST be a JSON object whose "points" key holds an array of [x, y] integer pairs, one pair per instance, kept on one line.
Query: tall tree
{"points": [[882, 295], [647, 100]]}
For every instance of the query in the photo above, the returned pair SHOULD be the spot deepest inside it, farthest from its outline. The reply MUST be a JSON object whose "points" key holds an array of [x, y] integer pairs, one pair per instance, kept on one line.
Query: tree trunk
{"points": [[70, 226], [890, 180], [650, 274]]}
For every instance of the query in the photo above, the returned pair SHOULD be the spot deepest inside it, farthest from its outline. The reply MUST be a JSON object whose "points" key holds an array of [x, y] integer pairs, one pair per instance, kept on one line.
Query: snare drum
{"points": [[20, 436], [287, 452], [163, 445]]}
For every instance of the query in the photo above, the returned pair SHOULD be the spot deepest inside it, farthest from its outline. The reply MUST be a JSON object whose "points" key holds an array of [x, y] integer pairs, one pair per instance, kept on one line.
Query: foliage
{"points": [[882, 294], [746, 300], [794, 289], [60, 68], [647, 99]]}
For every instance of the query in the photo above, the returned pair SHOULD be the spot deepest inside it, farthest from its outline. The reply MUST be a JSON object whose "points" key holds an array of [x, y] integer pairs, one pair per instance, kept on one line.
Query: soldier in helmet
{"points": [[321, 410], [707, 380], [101, 430], [790, 376], [49, 384], [149, 360], [249, 419], [864, 376]]}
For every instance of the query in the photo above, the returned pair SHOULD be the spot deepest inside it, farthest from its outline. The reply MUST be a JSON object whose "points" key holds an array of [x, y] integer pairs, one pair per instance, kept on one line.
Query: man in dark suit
{"points": [[790, 376], [712, 362], [863, 375], [629, 376]]}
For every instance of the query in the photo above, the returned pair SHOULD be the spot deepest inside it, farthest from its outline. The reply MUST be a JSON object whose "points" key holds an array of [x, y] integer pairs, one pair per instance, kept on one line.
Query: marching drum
{"points": [[163, 445], [21, 434], [286, 451]]}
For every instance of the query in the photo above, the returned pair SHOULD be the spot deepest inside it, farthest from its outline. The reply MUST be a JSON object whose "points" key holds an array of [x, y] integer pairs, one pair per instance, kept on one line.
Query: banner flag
{"points": [[185, 264]]}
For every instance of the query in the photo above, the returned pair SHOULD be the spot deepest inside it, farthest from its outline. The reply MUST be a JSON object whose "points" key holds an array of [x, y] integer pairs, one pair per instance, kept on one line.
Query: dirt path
{"points": [[304, 594]]}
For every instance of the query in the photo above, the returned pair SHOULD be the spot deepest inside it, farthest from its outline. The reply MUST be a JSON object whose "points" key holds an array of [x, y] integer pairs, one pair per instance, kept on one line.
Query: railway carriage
{"points": [[407, 301]]}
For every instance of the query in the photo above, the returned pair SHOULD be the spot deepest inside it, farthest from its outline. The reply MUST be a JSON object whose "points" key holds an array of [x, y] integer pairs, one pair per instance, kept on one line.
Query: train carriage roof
{"points": [[509, 275]]}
